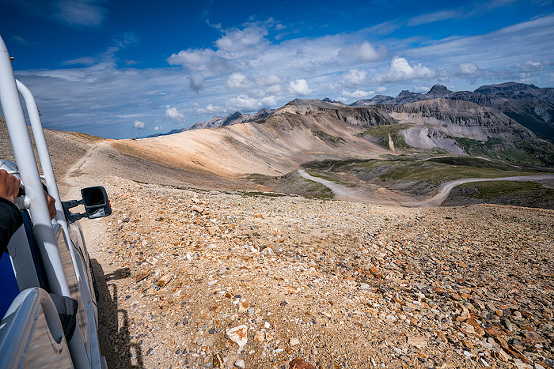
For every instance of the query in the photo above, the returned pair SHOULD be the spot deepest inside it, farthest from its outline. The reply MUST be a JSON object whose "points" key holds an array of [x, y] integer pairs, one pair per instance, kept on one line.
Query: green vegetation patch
{"points": [[437, 173], [531, 151], [529, 194], [474, 162], [263, 194], [330, 139], [434, 170], [300, 186], [330, 176], [381, 134], [259, 178]]}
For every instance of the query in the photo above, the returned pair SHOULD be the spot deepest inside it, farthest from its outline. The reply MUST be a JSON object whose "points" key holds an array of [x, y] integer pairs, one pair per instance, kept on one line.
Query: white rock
{"points": [[417, 341], [240, 364], [238, 335]]}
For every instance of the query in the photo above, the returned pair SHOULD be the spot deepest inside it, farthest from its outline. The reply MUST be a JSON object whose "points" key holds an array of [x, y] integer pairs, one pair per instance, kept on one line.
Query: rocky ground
{"points": [[192, 278]]}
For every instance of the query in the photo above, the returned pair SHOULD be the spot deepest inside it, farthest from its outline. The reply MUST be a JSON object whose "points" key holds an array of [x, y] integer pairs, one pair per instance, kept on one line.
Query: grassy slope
{"points": [[530, 194], [412, 175]]}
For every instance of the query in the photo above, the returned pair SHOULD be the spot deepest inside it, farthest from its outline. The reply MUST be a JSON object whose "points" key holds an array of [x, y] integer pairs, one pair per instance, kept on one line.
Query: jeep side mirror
{"points": [[96, 203]]}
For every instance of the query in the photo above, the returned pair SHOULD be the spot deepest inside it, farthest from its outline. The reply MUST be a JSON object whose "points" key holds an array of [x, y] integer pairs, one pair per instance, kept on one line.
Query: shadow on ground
{"points": [[113, 322]]}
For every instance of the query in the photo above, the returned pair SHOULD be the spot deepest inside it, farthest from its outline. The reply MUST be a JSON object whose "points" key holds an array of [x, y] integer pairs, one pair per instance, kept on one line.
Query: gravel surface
{"points": [[192, 279]]}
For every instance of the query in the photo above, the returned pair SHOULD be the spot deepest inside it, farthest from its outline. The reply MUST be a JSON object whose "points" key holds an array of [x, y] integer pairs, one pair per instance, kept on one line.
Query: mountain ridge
{"points": [[531, 106]]}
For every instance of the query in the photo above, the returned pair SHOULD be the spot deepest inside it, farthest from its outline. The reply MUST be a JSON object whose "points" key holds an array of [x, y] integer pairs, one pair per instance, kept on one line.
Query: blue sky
{"points": [[121, 69]]}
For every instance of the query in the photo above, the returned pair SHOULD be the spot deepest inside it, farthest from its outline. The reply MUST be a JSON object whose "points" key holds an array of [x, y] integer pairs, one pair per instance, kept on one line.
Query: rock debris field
{"points": [[205, 279]]}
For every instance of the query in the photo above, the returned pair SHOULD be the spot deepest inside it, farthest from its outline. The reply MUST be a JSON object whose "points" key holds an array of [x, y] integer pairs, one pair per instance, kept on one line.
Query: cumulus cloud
{"points": [[271, 83], [467, 68], [196, 82], [358, 94], [138, 124], [353, 78], [238, 41], [211, 109], [364, 52], [269, 101], [421, 89], [531, 66], [273, 89], [238, 80], [401, 70], [194, 59], [268, 80], [173, 113], [243, 103], [299, 87]]}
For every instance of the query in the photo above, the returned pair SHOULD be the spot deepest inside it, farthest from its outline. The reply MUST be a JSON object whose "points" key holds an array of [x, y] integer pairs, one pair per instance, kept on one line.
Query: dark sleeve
{"points": [[10, 221]]}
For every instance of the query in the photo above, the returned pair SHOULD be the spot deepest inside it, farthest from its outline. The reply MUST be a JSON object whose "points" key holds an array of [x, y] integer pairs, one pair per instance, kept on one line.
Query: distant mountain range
{"points": [[219, 121], [529, 105]]}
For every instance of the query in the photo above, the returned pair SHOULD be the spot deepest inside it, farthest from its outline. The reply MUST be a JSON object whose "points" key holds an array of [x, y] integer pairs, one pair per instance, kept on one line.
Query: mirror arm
{"points": [[72, 217], [72, 203]]}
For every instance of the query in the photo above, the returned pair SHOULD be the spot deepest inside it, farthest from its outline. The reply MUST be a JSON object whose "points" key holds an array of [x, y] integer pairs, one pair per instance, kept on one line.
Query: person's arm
{"points": [[10, 217]]}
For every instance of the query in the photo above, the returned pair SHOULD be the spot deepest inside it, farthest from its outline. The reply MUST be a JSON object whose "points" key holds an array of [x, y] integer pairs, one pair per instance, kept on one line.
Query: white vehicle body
{"points": [[48, 257]]}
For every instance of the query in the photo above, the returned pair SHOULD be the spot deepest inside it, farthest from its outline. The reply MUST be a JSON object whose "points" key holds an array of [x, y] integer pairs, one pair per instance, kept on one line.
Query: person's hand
{"points": [[9, 186], [50, 201]]}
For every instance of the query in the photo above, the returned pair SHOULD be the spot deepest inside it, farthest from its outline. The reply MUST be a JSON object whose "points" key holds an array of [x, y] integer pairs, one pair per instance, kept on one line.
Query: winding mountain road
{"points": [[445, 188], [342, 192]]}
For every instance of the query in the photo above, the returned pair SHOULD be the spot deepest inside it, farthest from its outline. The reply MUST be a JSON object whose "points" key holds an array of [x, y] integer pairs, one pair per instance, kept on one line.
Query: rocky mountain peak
{"points": [[439, 90]]}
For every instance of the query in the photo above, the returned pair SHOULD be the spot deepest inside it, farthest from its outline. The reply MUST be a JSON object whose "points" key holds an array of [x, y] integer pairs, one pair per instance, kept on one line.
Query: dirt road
{"points": [[445, 188]]}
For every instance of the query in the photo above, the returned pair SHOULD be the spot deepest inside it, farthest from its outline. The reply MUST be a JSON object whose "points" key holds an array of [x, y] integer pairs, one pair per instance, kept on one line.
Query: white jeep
{"points": [[47, 286]]}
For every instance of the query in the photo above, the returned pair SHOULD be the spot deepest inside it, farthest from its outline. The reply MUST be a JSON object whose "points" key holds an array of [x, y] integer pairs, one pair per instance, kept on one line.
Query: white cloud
{"points": [[157, 128], [127, 116], [238, 80], [196, 82], [138, 124], [237, 41], [358, 94], [531, 66], [243, 103], [353, 78], [422, 89], [299, 87], [211, 109], [173, 113], [269, 101], [468, 68], [273, 89], [364, 52], [194, 59], [268, 80], [501, 49], [401, 70], [84, 61], [272, 83], [381, 89], [432, 17], [80, 12]]}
